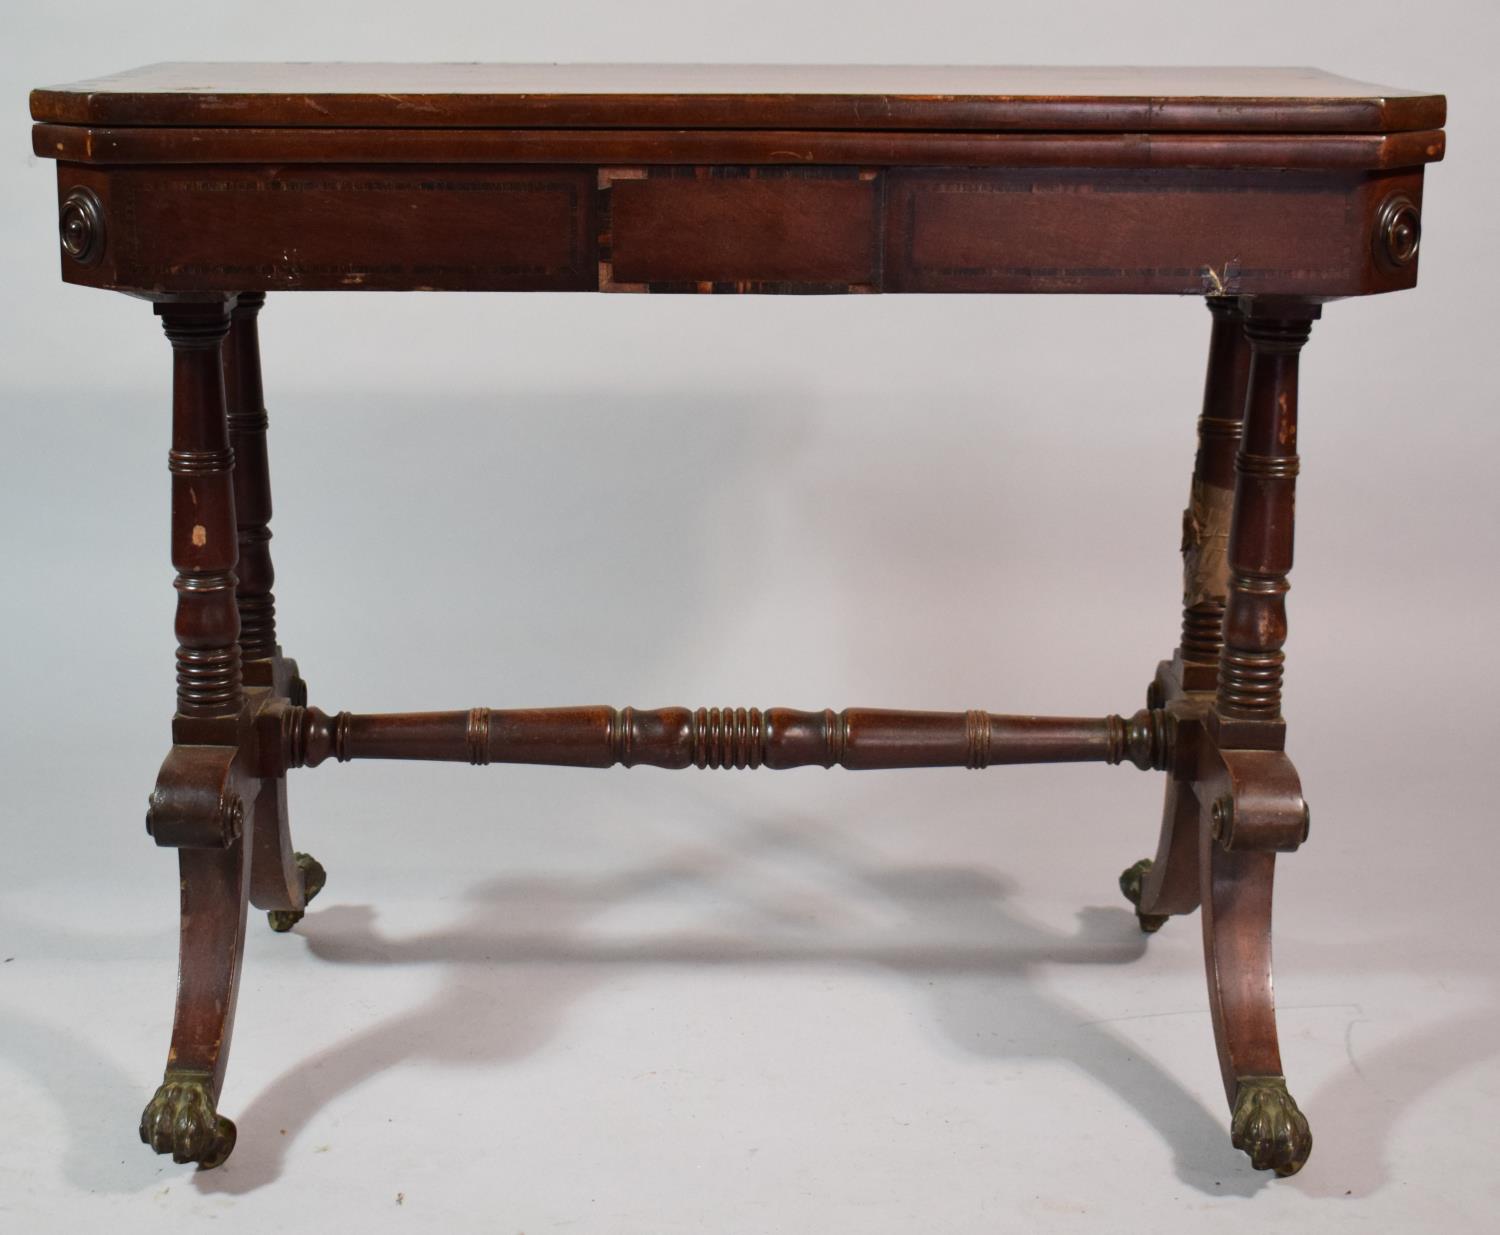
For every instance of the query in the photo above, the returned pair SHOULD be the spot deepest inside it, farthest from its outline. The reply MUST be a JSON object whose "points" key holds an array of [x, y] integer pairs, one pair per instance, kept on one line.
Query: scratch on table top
{"points": [[407, 101]]}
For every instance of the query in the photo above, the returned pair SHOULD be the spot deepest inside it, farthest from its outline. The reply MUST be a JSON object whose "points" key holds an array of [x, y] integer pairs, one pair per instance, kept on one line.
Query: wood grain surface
{"points": [[796, 96]]}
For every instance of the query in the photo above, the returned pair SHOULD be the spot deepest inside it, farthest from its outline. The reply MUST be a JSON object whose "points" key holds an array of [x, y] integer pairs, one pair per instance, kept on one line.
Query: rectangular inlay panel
{"points": [[741, 229], [268, 228], [1135, 231]]}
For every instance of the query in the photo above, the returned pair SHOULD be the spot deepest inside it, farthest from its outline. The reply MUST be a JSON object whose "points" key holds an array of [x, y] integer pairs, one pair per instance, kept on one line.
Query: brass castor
{"points": [[313, 879], [181, 1120], [1268, 1125], [1132, 881]]}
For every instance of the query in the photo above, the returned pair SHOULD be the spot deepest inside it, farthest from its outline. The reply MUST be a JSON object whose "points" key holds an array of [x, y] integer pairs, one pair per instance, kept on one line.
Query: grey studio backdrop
{"points": [[535, 999]]}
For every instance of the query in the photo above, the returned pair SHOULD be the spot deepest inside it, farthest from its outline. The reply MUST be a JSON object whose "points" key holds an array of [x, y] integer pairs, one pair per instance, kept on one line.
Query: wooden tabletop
{"points": [[880, 97]]}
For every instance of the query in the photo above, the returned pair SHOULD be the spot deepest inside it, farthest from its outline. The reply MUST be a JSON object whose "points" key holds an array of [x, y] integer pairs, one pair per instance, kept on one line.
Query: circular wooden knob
{"points": [[80, 226], [1398, 232]]}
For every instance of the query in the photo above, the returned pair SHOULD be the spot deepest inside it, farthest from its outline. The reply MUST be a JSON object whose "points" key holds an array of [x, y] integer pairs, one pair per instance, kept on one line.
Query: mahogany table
{"points": [[1269, 192]]}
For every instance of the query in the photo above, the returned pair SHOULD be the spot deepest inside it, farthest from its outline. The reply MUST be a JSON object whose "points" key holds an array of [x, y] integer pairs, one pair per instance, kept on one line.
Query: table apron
{"points": [[175, 229]]}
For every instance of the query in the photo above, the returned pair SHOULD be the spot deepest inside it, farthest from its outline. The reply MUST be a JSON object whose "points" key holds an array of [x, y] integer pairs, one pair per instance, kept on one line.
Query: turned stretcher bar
{"points": [[601, 737]]}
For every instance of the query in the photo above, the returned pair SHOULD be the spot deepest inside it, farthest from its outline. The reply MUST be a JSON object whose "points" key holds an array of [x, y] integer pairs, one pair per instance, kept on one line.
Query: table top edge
{"points": [[918, 97]]}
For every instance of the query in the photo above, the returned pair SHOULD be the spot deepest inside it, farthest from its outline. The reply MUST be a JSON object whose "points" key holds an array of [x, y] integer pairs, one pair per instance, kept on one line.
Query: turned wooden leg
{"points": [[1252, 796], [198, 803], [246, 416], [282, 881], [1185, 684]]}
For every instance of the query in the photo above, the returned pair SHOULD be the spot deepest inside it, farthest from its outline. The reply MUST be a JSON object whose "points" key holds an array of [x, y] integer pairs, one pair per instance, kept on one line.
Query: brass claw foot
{"points": [[1268, 1125], [180, 1120], [1132, 882], [313, 879]]}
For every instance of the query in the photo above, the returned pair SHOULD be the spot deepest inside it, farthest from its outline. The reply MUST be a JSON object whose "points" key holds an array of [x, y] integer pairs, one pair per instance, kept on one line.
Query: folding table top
{"points": [[180, 178], [685, 96]]}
